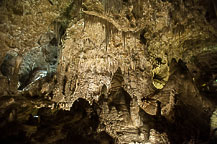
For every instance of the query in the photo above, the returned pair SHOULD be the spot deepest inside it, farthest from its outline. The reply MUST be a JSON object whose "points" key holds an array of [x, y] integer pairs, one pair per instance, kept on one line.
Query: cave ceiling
{"points": [[115, 71]]}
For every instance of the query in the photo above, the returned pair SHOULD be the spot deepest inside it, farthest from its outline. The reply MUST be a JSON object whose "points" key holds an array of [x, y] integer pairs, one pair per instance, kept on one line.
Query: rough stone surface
{"points": [[108, 71]]}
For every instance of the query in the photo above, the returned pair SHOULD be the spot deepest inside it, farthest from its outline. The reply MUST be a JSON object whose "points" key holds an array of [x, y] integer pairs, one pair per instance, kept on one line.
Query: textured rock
{"points": [[127, 71]]}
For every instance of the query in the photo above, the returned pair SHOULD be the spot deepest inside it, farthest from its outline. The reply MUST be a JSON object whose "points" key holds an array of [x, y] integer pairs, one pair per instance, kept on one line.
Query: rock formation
{"points": [[108, 71]]}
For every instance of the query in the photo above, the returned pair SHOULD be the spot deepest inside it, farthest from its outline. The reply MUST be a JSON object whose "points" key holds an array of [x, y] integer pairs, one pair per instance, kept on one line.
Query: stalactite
{"points": [[131, 65], [109, 28], [107, 34], [215, 6], [109, 63], [136, 7], [135, 40], [128, 71], [118, 5], [182, 5], [124, 38], [84, 23], [110, 5], [139, 3]]}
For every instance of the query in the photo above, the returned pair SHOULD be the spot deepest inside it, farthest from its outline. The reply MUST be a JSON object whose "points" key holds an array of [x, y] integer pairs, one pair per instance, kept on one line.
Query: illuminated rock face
{"points": [[145, 69]]}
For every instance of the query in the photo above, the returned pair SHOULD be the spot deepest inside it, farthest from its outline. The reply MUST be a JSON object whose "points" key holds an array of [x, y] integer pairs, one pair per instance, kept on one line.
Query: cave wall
{"points": [[143, 65], [30, 35]]}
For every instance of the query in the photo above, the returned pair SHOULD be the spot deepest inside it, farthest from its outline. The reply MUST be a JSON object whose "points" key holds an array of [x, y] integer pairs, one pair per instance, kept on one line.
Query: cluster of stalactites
{"points": [[109, 28], [112, 5], [117, 5]]}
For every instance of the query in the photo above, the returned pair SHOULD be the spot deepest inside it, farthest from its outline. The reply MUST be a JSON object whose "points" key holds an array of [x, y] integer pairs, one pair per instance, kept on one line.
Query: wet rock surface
{"points": [[108, 71]]}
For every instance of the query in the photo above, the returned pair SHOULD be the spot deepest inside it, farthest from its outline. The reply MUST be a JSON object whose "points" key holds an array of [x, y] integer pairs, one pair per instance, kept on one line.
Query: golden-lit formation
{"points": [[108, 71]]}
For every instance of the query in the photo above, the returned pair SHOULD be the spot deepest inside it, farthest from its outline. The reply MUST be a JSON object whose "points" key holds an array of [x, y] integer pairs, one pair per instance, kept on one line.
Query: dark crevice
{"points": [[159, 61], [143, 40], [75, 126], [157, 77], [54, 42], [64, 85], [105, 138], [211, 12], [120, 100], [189, 121]]}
